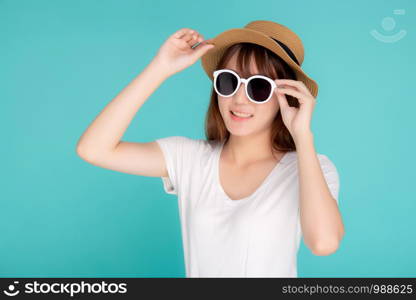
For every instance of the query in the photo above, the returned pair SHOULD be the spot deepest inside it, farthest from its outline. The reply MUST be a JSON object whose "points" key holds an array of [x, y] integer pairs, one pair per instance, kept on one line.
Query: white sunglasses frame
{"points": [[245, 81]]}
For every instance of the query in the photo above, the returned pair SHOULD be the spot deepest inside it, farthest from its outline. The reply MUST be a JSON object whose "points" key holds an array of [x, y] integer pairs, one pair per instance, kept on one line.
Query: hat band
{"points": [[287, 50]]}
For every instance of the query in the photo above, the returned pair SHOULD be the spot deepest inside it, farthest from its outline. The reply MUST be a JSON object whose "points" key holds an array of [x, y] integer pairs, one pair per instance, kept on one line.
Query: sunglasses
{"points": [[259, 88]]}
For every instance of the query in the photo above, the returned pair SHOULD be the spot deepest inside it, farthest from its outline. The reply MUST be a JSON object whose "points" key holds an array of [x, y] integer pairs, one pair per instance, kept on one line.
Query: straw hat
{"points": [[273, 36]]}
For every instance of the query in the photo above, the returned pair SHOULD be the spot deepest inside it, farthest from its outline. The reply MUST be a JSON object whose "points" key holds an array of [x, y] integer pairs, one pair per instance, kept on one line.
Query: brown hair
{"points": [[268, 64]]}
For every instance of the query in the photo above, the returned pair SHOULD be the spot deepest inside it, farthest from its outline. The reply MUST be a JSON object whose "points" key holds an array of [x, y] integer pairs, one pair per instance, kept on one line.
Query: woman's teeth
{"points": [[241, 115]]}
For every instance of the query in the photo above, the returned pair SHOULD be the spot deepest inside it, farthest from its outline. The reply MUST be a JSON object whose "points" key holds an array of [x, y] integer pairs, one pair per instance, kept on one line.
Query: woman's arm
{"points": [[321, 220], [101, 143], [106, 131]]}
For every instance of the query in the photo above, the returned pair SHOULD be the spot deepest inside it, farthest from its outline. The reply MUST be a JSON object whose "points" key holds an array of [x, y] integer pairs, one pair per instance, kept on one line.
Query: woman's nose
{"points": [[240, 96]]}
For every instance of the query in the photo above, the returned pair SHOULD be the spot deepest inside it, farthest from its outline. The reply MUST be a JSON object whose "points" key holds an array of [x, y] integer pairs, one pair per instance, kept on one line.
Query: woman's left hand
{"points": [[297, 120]]}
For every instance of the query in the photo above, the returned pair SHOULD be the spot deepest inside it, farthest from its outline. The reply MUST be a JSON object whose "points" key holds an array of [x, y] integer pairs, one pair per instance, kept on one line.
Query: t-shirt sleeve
{"points": [[177, 151], [331, 175]]}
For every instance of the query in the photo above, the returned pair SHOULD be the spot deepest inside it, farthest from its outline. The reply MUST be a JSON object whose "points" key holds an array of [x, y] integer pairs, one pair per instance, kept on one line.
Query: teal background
{"points": [[61, 62]]}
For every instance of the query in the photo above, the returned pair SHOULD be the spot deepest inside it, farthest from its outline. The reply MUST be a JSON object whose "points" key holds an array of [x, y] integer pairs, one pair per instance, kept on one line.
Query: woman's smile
{"points": [[239, 116]]}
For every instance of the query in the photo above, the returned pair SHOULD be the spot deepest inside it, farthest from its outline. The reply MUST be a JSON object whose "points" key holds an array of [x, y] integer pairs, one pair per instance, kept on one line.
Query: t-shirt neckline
{"points": [[258, 190]]}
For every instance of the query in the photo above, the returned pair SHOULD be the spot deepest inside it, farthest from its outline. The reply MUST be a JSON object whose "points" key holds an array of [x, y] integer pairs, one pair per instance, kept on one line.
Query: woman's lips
{"points": [[235, 118]]}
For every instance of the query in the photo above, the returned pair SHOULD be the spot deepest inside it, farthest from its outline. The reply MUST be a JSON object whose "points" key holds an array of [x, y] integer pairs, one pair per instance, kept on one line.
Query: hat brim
{"points": [[233, 36]]}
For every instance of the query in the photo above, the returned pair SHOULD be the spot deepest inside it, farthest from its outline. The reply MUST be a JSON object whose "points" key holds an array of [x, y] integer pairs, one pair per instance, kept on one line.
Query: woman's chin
{"points": [[239, 131]]}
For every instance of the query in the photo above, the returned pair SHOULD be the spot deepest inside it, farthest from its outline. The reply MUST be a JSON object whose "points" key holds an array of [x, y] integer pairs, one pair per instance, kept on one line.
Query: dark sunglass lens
{"points": [[259, 89], [226, 83]]}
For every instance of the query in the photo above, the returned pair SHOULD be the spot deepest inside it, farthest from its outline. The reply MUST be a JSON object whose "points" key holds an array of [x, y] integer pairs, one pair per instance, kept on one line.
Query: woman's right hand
{"points": [[177, 53]]}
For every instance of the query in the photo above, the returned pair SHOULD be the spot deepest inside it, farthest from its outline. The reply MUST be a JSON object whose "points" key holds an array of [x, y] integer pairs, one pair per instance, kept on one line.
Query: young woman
{"points": [[249, 191]]}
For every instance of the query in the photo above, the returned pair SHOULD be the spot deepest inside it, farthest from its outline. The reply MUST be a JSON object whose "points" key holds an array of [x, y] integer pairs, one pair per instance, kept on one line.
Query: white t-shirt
{"points": [[257, 236]]}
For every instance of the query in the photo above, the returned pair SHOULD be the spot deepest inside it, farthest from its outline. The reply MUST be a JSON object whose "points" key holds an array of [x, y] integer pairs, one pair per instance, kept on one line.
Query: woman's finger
{"points": [[193, 37], [208, 41], [193, 40], [183, 31], [178, 34], [297, 84], [187, 37], [200, 38], [301, 97], [282, 101]]}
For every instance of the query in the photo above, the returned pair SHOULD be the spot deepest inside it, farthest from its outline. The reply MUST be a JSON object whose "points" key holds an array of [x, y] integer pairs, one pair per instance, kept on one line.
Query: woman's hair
{"points": [[268, 64]]}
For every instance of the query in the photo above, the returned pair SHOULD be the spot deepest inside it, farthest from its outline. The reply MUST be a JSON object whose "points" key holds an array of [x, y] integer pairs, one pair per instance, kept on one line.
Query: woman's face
{"points": [[263, 114]]}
